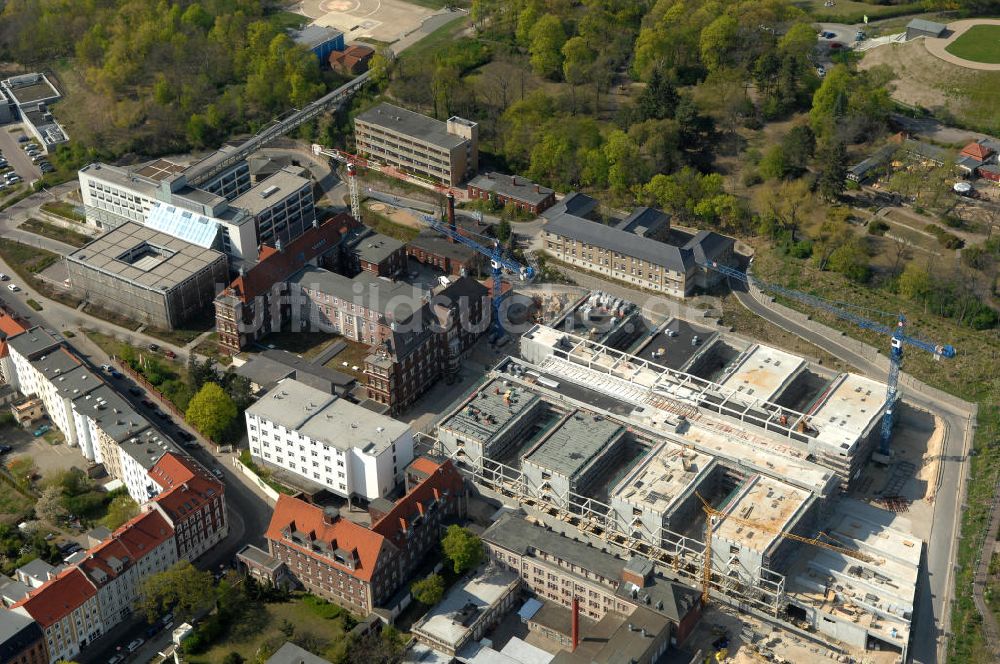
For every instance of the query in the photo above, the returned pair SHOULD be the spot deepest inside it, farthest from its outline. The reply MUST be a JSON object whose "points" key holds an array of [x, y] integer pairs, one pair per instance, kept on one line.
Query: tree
{"points": [[832, 160], [381, 66], [182, 589], [851, 260], [578, 58], [462, 548], [658, 100], [799, 145], [211, 411], [49, 506], [774, 165], [915, 283], [233, 658], [547, 40], [504, 231], [429, 590], [120, 509]]}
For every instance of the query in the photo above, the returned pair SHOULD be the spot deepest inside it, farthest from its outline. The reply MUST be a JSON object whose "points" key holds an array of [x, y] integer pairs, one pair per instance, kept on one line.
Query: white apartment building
{"points": [[329, 442]]}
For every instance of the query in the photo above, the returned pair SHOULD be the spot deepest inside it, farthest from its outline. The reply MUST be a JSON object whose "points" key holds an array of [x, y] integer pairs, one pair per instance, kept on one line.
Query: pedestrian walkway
{"points": [[937, 47]]}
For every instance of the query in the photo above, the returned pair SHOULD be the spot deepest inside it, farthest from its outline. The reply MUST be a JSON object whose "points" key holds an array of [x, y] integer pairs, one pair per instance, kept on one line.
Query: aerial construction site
{"points": [[739, 469]]}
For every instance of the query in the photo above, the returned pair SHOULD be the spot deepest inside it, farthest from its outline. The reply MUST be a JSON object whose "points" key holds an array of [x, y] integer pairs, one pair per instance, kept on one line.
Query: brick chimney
{"points": [[576, 624], [331, 515]]}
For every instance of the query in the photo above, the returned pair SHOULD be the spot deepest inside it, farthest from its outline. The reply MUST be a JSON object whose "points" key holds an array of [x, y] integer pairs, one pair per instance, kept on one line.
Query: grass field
{"points": [[264, 627], [53, 232], [980, 43], [63, 209], [848, 11]]}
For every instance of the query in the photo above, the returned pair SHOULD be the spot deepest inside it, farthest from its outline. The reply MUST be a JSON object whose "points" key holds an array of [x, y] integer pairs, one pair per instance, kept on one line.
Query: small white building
{"points": [[328, 441]]}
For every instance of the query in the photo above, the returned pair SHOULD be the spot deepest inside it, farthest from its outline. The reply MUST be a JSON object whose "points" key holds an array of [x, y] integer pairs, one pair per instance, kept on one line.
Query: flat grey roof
{"points": [[442, 246], [159, 261], [512, 186], [116, 416], [375, 248], [409, 123], [304, 366], [313, 35], [148, 446], [269, 367], [69, 383], [492, 408], [575, 443], [32, 341], [12, 624], [123, 178], [323, 417], [40, 90], [267, 193], [259, 556]]}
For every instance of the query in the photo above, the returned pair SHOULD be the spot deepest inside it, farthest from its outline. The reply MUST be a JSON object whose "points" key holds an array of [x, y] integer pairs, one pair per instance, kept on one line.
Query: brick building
{"points": [[512, 190], [376, 254], [250, 307], [557, 569], [21, 640], [351, 565], [353, 60], [192, 501]]}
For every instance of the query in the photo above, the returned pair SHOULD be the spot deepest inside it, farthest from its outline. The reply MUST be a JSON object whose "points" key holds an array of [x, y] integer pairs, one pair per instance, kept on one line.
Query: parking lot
{"points": [[18, 161], [48, 458]]}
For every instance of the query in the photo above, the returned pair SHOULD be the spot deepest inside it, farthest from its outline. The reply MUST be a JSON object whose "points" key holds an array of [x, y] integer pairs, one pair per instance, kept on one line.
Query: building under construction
{"points": [[723, 478]]}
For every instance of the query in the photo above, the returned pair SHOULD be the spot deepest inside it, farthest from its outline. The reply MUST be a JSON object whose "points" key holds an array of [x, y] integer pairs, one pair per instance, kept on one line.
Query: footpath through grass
{"points": [[980, 43]]}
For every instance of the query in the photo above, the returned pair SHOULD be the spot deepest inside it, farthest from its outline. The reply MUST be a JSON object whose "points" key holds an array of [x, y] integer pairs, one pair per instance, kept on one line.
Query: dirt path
{"points": [[936, 47]]}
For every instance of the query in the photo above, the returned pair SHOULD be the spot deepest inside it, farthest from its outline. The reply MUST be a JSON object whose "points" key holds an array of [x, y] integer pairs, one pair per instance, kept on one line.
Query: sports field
{"points": [[980, 43]]}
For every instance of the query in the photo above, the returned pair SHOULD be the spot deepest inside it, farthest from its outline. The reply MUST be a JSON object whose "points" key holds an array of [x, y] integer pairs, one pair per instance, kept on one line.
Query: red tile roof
{"points": [[58, 597], [99, 560], [308, 520], [442, 477], [9, 327], [173, 469], [274, 266], [144, 533], [976, 151]]}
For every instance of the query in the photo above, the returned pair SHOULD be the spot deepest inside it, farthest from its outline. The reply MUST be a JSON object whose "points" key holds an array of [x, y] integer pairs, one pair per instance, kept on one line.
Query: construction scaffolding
{"points": [[677, 555]]}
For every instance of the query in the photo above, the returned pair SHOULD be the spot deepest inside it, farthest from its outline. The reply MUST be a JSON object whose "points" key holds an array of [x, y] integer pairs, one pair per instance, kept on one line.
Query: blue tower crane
{"points": [[896, 333], [498, 263]]}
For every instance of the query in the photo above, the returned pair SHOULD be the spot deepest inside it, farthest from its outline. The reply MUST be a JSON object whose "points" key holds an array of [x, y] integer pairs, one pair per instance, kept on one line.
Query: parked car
{"points": [[13, 288], [116, 374], [191, 445], [3, 277], [185, 435], [5, 448], [171, 354], [148, 403], [42, 430], [22, 139], [69, 547], [12, 178], [135, 644], [135, 390], [217, 473], [46, 167], [37, 158], [105, 367], [820, 71], [154, 347], [116, 659]]}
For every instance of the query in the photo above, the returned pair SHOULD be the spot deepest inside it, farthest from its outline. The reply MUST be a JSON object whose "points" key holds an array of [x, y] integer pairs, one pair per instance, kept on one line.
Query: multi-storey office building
{"points": [[147, 275], [446, 152], [281, 206]]}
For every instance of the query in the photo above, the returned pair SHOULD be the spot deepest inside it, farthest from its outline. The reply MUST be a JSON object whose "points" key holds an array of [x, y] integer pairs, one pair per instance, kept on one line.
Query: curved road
{"points": [[935, 584], [937, 47]]}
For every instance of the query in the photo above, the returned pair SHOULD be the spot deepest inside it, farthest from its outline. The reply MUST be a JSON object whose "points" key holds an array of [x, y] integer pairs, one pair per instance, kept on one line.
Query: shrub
{"points": [[878, 227]]}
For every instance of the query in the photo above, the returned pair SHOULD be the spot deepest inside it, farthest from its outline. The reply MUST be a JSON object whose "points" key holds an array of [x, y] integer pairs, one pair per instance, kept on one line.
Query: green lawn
{"points": [[63, 209], [26, 260], [261, 632], [980, 43], [287, 20], [53, 232]]}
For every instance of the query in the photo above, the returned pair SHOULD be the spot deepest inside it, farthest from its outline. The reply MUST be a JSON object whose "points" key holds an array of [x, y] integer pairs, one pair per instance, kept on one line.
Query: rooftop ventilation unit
{"points": [[269, 191]]}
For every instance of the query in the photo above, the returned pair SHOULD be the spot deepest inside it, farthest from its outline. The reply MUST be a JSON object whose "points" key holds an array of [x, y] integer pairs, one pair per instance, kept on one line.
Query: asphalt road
{"points": [[247, 511], [935, 584]]}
